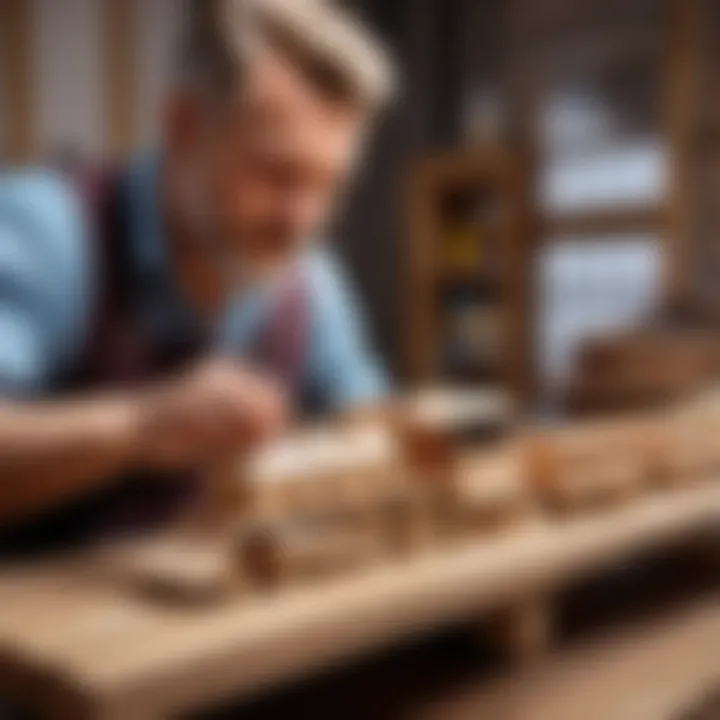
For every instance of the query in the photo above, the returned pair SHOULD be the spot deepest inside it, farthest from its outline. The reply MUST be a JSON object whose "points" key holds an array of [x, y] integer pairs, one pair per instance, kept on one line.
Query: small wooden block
{"points": [[322, 472], [405, 521], [590, 464], [491, 490], [175, 568], [276, 555], [434, 424], [692, 452]]}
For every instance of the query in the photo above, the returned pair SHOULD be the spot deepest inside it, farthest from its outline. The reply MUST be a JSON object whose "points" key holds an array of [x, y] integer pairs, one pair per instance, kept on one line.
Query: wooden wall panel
{"points": [[120, 82], [69, 78], [158, 25], [17, 45], [683, 72]]}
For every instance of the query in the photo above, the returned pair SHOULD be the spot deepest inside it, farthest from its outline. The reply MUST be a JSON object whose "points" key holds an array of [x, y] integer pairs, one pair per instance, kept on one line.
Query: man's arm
{"points": [[51, 451], [47, 451], [343, 370], [54, 451]]}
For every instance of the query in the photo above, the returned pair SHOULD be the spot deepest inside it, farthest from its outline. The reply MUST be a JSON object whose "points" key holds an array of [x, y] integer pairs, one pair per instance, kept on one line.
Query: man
{"points": [[185, 321]]}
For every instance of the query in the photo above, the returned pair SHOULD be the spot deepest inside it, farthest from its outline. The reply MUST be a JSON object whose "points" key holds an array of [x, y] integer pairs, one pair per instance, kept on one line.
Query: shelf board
{"points": [[606, 221], [479, 372], [470, 276]]}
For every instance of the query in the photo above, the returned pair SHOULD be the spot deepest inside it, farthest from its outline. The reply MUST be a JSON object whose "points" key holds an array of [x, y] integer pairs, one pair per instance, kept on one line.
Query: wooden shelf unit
{"points": [[478, 200]]}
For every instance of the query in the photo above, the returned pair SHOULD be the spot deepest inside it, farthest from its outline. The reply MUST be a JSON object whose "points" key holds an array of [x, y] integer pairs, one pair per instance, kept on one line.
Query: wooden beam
{"points": [[17, 66], [525, 87], [120, 80], [606, 221], [682, 86], [589, 52]]}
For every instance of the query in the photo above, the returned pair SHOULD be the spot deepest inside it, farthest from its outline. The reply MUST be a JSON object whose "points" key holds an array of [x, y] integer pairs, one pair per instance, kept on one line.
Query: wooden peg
{"points": [[174, 568]]}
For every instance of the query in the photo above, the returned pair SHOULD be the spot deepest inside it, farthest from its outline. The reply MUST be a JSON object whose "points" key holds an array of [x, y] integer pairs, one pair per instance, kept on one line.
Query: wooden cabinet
{"points": [[469, 273]]}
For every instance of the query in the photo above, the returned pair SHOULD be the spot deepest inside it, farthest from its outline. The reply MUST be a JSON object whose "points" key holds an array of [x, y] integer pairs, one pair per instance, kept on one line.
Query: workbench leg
{"points": [[524, 631]]}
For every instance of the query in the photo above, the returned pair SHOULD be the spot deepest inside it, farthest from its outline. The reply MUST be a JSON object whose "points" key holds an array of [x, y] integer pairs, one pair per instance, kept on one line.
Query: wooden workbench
{"points": [[76, 645]]}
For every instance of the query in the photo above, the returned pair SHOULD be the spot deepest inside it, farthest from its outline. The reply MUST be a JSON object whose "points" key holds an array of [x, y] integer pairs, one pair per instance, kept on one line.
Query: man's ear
{"points": [[182, 118]]}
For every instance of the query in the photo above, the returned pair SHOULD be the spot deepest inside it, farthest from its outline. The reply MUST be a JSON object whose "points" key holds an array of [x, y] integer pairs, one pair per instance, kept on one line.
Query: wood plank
{"points": [[176, 661], [17, 46], [121, 72], [616, 220], [682, 115], [524, 86]]}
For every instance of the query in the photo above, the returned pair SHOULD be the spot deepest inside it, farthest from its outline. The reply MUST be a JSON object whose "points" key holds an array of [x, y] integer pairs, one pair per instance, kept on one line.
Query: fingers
{"points": [[218, 408], [252, 405]]}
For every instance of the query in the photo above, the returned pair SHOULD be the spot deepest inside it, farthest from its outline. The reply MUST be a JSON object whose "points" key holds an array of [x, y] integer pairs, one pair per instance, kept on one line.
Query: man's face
{"points": [[265, 171]]}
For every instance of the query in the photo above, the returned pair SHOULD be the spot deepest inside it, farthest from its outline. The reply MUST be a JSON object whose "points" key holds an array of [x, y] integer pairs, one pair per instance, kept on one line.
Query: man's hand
{"points": [[53, 451], [216, 409]]}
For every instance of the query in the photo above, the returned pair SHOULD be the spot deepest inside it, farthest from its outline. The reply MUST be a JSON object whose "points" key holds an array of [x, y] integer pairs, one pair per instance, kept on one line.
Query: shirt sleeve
{"points": [[42, 282], [343, 369]]}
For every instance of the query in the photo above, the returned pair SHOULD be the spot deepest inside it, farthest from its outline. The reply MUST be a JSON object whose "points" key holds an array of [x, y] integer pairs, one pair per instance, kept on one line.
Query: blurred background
{"points": [[547, 179], [537, 212]]}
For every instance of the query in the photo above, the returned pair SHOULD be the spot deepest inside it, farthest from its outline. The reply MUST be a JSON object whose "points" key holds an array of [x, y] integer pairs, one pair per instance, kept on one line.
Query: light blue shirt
{"points": [[47, 293]]}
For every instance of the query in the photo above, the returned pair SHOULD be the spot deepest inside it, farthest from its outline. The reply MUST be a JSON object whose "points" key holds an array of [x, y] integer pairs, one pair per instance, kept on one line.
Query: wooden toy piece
{"points": [[692, 449], [175, 568], [272, 555], [651, 439], [433, 423], [490, 489], [322, 473], [590, 463], [222, 503], [192, 561], [646, 369], [405, 521], [457, 409]]}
